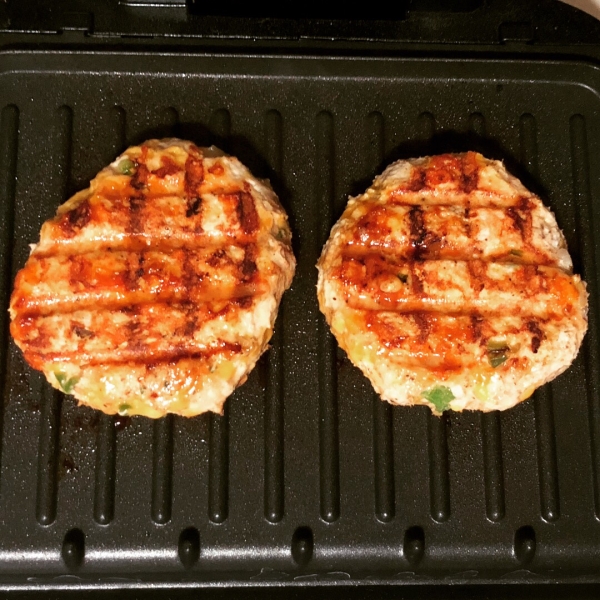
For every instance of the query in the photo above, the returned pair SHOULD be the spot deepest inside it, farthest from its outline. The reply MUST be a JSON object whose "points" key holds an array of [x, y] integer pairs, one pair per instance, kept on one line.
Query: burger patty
{"points": [[449, 284], [156, 289]]}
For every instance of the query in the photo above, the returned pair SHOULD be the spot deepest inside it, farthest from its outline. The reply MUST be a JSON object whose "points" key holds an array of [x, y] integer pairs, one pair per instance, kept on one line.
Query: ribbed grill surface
{"points": [[307, 475]]}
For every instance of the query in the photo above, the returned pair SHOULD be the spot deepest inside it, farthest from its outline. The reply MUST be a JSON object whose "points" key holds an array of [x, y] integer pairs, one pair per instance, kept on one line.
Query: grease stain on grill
{"points": [[188, 547], [302, 545], [66, 465], [121, 423]]}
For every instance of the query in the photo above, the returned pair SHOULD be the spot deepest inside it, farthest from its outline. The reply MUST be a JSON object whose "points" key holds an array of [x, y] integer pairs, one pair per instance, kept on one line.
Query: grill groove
{"points": [[383, 451], [218, 467], [328, 417], [49, 436], [492, 464], [544, 418], [582, 199], [162, 470], [439, 477], [9, 138], [104, 485], [274, 448], [546, 447]]}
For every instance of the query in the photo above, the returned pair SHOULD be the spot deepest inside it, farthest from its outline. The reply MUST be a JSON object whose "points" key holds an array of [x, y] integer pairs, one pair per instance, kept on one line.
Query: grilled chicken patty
{"points": [[449, 284], [155, 290]]}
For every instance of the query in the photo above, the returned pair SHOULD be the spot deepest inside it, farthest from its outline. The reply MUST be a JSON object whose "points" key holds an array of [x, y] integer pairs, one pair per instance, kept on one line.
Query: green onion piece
{"points": [[497, 359], [440, 396], [67, 384], [126, 166], [124, 409], [403, 277], [497, 345]]}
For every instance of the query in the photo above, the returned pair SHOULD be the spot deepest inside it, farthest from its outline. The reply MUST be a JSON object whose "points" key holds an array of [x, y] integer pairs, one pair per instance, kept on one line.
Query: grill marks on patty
{"points": [[143, 295], [447, 270]]}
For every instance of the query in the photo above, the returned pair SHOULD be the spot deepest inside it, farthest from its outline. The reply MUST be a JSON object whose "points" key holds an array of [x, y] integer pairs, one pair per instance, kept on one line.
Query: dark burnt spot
{"points": [[80, 331], [417, 180], [139, 180], [80, 216], [248, 267], [216, 258], [194, 176], [246, 212], [190, 327], [467, 222], [139, 272], [422, 321], [475, 323], [244, 302], [76, 219], [525, 204], [418, 232], [518, 221], [537, 335], [193, 207]]}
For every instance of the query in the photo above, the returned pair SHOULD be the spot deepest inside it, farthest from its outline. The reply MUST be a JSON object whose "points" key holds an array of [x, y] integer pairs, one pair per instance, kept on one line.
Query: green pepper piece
{"points": [[66, 384], [495, 345], [403, 277], [440, 396], [126, 167], [497, 359]]}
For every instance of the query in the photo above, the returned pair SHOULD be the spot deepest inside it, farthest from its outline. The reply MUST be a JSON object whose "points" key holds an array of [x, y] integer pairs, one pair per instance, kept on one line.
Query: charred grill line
{"points": [[418, 232], [246, 211]]}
